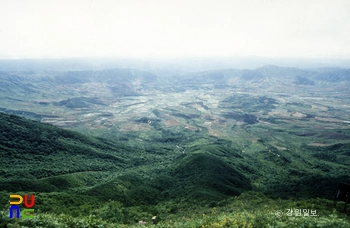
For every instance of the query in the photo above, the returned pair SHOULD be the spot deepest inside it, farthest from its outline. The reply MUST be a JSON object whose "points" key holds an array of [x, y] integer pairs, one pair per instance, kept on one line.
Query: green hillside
{"points": [[43, 158], [177, 148], [120, 182]]}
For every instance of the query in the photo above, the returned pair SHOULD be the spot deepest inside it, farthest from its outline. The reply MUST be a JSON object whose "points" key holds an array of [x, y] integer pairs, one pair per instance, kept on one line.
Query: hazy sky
{"points": [[159, 28]]}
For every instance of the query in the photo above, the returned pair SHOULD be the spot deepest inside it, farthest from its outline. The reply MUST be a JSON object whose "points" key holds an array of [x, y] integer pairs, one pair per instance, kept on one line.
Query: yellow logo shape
{"points": [[18, 197]]}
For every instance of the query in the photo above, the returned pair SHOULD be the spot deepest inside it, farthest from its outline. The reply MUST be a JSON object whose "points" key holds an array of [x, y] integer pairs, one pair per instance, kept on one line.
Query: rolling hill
{"points": [[125, 144]]}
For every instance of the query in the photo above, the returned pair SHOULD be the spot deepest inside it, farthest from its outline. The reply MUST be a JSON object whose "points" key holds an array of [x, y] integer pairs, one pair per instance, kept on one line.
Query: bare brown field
{"points": [[172, 123]]}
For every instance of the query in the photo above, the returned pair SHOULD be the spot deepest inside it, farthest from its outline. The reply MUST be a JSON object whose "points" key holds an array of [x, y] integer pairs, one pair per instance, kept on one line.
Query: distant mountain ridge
{"points": [[28, 81], [194, 64], [319, 74]]}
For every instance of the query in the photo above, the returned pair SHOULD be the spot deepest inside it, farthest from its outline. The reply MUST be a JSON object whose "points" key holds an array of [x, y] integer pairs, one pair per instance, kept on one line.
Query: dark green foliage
{"points": [[249, 103], [26, 114], [125, 181], [329, 153], [146, 120], [140, 165], [123, 177], [34, 150], [213, 178], [247, 118], [334, 135], [78, 102], [323, 186]]}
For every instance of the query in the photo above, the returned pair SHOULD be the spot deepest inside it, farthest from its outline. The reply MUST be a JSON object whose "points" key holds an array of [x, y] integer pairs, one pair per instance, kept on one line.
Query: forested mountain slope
{"points": [[139, 142]]}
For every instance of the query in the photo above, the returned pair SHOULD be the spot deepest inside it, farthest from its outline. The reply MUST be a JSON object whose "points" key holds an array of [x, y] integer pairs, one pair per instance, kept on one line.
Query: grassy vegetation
{"points": [[220, 154], [82, 181], [250, 209]]}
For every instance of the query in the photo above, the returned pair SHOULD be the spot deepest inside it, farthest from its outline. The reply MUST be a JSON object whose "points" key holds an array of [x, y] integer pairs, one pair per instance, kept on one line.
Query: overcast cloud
{"points": [[161, 28]]}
